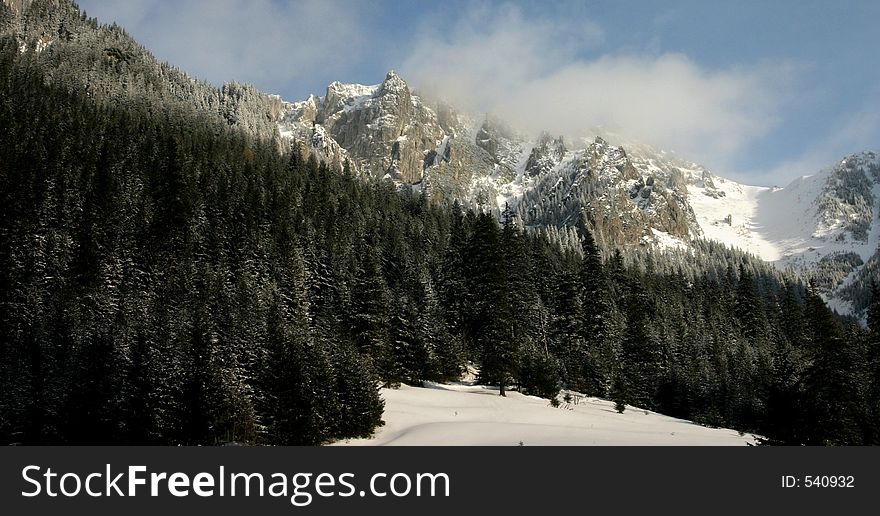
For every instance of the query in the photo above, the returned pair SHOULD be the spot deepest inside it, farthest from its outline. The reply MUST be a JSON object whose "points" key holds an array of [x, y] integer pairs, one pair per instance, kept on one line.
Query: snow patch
{"points": [[666, 241], [43, 42]]}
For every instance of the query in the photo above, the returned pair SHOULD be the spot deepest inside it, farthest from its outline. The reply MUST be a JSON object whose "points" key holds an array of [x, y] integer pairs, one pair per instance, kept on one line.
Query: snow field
{"points": [[463, 414]]}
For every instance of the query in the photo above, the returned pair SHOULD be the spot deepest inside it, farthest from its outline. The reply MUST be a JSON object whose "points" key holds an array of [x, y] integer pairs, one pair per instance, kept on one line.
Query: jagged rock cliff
{"points": [[389, 131], [602, 188], [383, 129]]}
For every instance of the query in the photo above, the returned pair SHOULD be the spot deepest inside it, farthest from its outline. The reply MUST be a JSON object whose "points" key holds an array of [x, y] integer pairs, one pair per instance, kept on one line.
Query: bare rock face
{"points": [[19, 6], [388, 131], [501, 143], [304, 111], [497, 140], [603, 189], [468, 174], [384, 129]]}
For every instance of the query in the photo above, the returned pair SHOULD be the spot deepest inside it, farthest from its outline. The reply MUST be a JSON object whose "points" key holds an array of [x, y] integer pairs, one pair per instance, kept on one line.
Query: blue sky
{"points": [[758, 91]]}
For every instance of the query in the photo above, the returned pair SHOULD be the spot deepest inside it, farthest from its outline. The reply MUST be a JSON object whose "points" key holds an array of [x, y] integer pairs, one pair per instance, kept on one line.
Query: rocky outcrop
{"points": [[545, 155], [464, 175], [384, 129], [603, 190], [19, 6], [846, 205]]}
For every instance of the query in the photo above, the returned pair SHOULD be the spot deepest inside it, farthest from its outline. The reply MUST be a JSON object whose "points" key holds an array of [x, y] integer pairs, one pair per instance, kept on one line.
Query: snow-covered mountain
{"points": [[821, 226], [382, 129], [388, 131]]}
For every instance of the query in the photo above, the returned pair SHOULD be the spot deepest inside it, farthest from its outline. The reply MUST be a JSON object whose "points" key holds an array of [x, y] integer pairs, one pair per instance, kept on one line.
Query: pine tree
{"points": [[566, 329], [641, 351], [620, 393], [410, 356], [538, 374], [748, 307], [452, 282], [445, 353], [595, 316], [370, 311], [490, 319]]}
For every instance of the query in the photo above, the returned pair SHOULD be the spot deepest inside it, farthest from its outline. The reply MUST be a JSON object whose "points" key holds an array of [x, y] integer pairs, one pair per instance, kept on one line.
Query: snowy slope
{"points": [[781, 225], [461, 414], [823, 225], [731, 218]]}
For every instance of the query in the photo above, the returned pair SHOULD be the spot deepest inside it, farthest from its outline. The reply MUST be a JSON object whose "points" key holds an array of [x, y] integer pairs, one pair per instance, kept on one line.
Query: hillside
{"points": [[626, 193], [822, 226]]}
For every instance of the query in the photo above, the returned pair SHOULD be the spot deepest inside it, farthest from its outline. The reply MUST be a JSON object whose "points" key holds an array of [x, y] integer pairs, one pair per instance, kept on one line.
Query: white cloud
{"points": [[264, 42], [536, 75]]}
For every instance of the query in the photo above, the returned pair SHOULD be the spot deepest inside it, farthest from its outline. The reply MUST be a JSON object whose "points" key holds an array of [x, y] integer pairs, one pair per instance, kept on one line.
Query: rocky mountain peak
{"points": [[393, 83], [340, 96], [627, 193], [383, 129], [495, 137], [845, 205], [547, 153]]}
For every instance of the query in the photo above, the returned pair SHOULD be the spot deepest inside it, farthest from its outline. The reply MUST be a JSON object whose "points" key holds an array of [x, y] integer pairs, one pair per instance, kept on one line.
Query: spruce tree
{"points": [[490, 318], [595, 316], [370, 312]]}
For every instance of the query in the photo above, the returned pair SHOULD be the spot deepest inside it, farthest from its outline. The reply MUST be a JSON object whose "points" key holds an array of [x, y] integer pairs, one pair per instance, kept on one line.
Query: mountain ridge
{"points": [[627, 195]]}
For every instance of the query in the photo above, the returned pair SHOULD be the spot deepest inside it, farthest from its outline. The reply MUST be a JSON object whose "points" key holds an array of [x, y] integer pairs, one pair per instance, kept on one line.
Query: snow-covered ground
{"points": [[464, 414]]}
